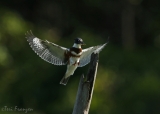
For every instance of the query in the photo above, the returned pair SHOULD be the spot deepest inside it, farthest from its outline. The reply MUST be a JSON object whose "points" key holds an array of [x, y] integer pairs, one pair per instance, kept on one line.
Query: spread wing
{"points": [[48, 51], [86, 54]]}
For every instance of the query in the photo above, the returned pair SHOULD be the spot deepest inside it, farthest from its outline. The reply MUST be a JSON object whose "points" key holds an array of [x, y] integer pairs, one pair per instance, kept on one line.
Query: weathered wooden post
{"points": [[86, 87]]}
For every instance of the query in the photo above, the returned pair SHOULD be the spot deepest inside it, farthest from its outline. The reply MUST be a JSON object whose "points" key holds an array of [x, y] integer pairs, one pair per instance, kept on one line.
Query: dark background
{"points": [[128, 78]]}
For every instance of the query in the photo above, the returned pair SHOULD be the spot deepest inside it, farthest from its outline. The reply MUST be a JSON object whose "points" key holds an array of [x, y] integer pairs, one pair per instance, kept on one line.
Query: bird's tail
{"points": [[64, 80]]}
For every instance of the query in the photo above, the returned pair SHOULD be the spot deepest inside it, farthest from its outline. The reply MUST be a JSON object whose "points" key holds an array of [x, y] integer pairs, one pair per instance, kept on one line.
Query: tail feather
{"points": [[64, 80]]}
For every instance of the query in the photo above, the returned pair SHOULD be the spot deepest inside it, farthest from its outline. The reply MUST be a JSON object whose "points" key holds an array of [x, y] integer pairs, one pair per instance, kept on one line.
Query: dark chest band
{"points": [[68, 54], [76, 50]]}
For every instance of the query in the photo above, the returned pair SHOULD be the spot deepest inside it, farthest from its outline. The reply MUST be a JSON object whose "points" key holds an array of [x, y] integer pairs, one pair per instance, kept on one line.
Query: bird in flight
{"points": [[72, 57]]}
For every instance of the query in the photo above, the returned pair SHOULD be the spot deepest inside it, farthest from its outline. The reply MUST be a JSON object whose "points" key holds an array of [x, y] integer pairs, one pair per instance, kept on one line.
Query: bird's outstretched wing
{"points": [[48, 51], [86, 54]]}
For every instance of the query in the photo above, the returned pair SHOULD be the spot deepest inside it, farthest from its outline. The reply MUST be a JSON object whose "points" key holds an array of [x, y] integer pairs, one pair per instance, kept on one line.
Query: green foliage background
{"points": [[128, 79]]}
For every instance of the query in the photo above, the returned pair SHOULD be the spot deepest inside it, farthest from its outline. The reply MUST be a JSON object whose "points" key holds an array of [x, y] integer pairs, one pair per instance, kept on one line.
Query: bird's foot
{"points": [[74, 64]]}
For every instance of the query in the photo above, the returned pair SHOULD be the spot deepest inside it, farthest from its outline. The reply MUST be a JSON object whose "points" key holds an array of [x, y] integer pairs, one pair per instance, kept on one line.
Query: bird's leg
{"points": [[75, 63]]}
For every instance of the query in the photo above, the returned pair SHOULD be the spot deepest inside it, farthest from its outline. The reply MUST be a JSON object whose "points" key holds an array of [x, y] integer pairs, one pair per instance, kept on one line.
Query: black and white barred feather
{"points": [[48, 51]]}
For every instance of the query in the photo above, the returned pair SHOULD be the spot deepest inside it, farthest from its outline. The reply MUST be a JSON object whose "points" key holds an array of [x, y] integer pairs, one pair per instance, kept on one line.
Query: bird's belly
{"points": [[72, 66], [70, 70], [74, 60]]}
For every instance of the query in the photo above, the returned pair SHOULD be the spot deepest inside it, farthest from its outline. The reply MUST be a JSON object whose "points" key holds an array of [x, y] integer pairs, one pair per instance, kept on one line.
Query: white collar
{"points": [[77, 45]]}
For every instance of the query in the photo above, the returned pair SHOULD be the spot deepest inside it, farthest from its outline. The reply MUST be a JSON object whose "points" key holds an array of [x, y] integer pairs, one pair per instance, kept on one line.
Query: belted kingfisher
{"points": [[72, 57]]}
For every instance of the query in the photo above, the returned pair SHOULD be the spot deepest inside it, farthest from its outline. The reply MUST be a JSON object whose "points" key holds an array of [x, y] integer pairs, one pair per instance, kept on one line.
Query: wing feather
{"points": [[48, 51], [86, 54]]}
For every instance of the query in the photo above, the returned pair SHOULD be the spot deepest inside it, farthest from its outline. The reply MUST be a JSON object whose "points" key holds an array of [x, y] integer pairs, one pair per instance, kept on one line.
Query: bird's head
{"points": [[79, 41]]}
